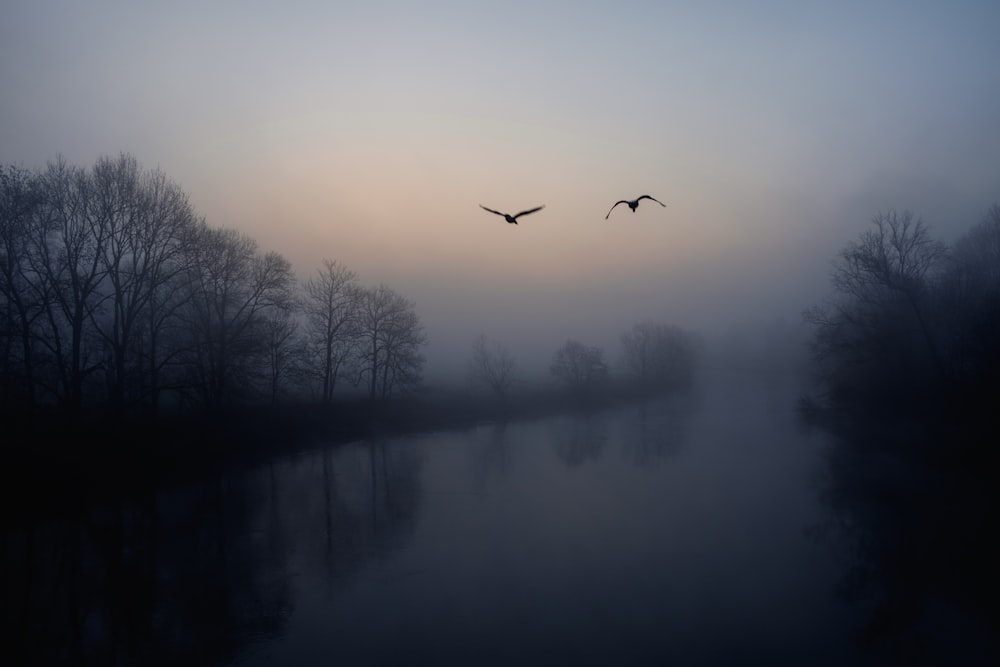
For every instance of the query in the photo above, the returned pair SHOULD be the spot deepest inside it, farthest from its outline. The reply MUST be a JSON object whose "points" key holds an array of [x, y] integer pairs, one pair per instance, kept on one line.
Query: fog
{"points": [[801, 341], [371, 137]]}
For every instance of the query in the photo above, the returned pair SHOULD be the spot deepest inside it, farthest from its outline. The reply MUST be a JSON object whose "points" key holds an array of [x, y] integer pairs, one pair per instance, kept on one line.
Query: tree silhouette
{"points": [[331, 307], [579, 367], [909, 369], [282, 348], [491, 365], [970, 296], [116, 299], [658, 355], [69, 245], [147, 220], [391, 336], [20, 290], [232, 289], [877, 324]]}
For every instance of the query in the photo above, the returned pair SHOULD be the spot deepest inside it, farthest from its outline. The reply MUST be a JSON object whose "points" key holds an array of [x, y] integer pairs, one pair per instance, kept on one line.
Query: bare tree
{"points": [[889, 263], [492, 365], [21, 297], [147, 221], [976, 256], [893, 258], [281, 347], [391, 336], [580, 367], [169, 232], [970, 303], [878, 278], [331, 305], [231, 290], [877, 325], [68, 248], [658, 355]]}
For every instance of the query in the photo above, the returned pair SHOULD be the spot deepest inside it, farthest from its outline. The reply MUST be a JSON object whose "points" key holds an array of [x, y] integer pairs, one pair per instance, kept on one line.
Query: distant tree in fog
{"points": [[877, 334], [977, 254], [492, 365], [331, 306], [891, 265], [658, 355], [970, 298], [390, 338], [909, 364], [578, 366]]}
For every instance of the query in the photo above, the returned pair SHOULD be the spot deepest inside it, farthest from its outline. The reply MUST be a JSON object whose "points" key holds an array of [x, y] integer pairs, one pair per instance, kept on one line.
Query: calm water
{"points": [[670, 532]]}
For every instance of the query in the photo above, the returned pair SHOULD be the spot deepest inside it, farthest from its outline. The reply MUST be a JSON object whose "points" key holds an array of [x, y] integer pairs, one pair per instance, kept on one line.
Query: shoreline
{"points": [[110, 460]]}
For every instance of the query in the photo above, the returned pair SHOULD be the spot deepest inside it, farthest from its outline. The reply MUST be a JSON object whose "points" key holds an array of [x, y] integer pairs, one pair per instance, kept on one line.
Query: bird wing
{"points": [[620, 201], [490, 210], [530, 210], [653, 198]]}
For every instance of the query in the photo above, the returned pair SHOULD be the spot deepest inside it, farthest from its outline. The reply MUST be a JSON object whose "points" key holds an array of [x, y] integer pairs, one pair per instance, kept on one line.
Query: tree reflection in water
{"points": [[145, 579], [195, 574], [914, 531], [648, 431], [657, 432], [580, 438]]}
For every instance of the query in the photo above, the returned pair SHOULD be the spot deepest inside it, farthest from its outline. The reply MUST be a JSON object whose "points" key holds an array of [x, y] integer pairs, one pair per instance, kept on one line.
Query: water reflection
{"points": [[645, 433], [341, 506], [912, 532], [655, 431], [579, 438], [150, 579], [666, 531], [196, 573], [491, 453]]}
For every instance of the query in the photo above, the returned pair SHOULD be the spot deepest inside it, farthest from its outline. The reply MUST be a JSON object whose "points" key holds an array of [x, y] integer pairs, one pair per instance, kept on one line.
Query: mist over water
{"points": [[675, 529], [276, 390]]}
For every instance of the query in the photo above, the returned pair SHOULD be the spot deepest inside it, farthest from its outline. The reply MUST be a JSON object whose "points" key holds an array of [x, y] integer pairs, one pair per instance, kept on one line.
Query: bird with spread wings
{"points": [[512, 219], [632, 204]]}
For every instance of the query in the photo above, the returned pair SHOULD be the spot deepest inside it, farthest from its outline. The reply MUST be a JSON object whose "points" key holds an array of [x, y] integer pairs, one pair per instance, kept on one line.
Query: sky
{"points": [[370, 133]]}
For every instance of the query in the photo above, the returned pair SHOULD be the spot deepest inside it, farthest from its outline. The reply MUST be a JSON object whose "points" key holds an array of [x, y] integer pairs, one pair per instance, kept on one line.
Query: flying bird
{"points": [[633, 204], [512, 219]]}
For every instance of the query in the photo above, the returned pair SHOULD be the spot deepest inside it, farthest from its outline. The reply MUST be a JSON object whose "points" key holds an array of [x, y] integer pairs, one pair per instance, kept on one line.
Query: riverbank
{"points": [[102, 459]]}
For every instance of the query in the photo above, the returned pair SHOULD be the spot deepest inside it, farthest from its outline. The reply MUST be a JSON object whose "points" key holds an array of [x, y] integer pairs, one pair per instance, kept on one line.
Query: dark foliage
{"points": [[117, 303], [907, 360]]}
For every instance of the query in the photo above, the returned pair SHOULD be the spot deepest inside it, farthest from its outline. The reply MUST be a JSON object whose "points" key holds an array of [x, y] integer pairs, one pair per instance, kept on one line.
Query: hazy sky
{"points": [[370, 132]]}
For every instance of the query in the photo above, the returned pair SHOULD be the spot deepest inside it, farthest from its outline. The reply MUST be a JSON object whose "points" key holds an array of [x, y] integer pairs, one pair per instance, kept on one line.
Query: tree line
{"points": [[655, 357], [913, 325], [117, 298], [908, 359]]}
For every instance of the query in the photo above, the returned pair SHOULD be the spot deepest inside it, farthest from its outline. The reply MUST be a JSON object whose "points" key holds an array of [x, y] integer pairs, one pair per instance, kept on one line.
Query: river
{"points": [[679, 530]]}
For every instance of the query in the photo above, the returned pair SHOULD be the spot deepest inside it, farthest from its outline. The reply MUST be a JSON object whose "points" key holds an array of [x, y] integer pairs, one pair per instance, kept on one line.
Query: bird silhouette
{"points": [[633, 204], [512, 219]]}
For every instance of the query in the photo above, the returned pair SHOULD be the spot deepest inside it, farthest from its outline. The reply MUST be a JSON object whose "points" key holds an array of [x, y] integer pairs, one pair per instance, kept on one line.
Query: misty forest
{"points": [[121, 304], [162, 380]]}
